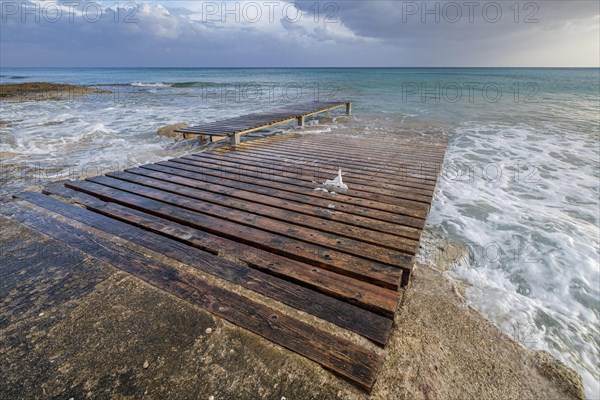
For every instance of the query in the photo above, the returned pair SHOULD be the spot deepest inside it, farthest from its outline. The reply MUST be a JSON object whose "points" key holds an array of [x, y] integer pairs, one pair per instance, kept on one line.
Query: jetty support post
{"points": [[300, 121], [234, 139], [349, 108]]}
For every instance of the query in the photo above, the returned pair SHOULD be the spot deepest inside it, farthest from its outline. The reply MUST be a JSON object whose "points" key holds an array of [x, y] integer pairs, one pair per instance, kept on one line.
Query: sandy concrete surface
{"points": [[73, 327]]}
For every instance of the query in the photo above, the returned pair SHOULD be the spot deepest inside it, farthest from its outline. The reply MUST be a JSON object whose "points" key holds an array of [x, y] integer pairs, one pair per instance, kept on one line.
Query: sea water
{"points": [[519, 187]]}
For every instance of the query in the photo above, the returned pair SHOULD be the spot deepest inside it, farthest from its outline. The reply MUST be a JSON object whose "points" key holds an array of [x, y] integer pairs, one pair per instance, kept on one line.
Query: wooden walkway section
{"points": [[256, 216], [235, 127]]}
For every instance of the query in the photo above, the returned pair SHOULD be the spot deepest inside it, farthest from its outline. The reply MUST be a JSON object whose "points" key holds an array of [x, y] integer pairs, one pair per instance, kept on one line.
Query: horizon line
{"points": [[296, 67]]}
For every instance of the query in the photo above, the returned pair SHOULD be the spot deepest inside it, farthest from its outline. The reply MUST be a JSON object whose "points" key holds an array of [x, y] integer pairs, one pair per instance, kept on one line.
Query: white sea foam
{"points": [[150, 84], [336, 182], [525, 200]]}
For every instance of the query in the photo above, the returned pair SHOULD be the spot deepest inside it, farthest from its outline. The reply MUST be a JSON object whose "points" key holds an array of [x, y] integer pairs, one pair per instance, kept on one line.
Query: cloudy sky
{"points": [[310, 33]]}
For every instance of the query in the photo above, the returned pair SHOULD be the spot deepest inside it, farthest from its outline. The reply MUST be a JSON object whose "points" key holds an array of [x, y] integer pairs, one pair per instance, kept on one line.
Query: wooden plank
{"points": [[405, 167], [310, 175], [324, 212], [381, 148], [265, 209], [416, 202], [380, 220], [407, 150], [396, 161], [435, 145], [187, 135], [183, 198], [388, 181], [361, 294], [282, 186], [311, 181], [341, 356], [345, 264], [407, 172], [427, 154], [347, 316], [314, 170], [253, 122]]}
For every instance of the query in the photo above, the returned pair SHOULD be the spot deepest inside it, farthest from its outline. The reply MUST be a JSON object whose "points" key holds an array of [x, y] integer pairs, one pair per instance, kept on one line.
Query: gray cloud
{"points": [[367, 33]]}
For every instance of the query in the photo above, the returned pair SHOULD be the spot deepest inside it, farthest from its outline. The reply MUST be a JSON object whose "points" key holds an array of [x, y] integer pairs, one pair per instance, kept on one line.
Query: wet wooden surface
{"points": [[253, 122], [251, 216]]}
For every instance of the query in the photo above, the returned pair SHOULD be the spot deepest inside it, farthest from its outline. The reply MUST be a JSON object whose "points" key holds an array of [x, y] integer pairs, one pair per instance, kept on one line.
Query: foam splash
{"points": [[152, 84], [336, 182], [522, 198]]}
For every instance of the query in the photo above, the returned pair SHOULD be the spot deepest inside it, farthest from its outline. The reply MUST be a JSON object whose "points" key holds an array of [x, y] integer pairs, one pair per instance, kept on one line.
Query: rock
{"points": [[41, 91], [187, 143], [208, 330], [169, 130], [146, 364], [559, 374], [52, 123]]}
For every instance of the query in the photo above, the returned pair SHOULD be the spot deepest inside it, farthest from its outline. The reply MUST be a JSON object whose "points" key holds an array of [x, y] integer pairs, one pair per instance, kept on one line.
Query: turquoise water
{"points": [[520, 185]]}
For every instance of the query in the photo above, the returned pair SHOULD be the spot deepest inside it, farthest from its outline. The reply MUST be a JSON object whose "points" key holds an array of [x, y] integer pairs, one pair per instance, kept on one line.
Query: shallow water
{"points": [[520, 185]]}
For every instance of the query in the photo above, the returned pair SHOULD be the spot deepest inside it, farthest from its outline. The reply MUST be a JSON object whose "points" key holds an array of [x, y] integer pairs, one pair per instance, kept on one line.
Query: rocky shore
{"points": [[41, 91]]}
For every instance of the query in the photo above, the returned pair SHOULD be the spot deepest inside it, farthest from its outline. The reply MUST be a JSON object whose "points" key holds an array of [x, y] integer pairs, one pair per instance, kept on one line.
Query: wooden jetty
{"points": [[257, 215], [235, 127]]}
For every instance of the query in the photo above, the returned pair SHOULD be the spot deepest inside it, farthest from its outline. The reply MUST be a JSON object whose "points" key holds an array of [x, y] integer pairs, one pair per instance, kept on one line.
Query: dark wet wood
{"points": [[419, 171], [381, 274], [359, 293], [242, 191], [257, 121], [411, 210], [404, 177], [353, 362], [345, 315], [411, 193], [223, 202], [312, 170], [416, 201], [429, 155], [310, 197], [251, 215]]}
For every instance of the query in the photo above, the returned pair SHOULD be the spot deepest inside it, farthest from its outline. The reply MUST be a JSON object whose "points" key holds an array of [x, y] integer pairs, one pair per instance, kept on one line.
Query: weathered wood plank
{"points": [[434, 144], [267, 210], [386, 221], [183, 198], [316, 171], [408, 175], [371, 186], [252, 122], [380, 274], [406, 152], [396, 162], [341, 356], [423, 170], [259, 180], [350, 317], [364, 147], [370, 297], [418, 202], [324, 212]]}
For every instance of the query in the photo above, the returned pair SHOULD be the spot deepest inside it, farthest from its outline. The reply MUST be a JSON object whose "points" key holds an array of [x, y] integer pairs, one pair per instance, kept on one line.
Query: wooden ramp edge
{"points": [[258, 216]]}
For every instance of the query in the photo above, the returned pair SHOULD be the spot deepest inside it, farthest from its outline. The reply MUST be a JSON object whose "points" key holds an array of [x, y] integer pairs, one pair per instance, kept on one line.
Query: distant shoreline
{"points": [[41, 91]]}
